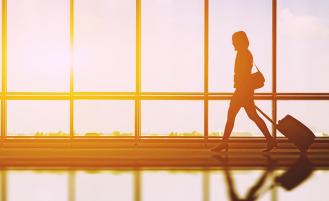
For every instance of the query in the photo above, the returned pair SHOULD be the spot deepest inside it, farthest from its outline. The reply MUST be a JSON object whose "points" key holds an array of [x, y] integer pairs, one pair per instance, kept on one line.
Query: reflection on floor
{"points": [[301, 181]]}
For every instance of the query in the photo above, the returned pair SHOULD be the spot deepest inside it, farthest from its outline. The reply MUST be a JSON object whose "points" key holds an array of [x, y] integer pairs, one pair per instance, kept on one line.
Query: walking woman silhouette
{"points": [[243, 95]]}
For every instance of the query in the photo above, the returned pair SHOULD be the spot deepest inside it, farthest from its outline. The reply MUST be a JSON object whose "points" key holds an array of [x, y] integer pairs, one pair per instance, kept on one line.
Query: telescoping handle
{"points": [[265, 115]]}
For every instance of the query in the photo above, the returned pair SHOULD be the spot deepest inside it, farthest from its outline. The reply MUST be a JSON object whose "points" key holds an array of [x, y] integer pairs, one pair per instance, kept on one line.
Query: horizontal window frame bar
{"points": [[179, 138], [158, 93], [155, 96]]}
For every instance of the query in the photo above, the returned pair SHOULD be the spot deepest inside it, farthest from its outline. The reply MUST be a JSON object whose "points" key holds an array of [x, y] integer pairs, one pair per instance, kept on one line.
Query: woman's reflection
{"points": [[255, 191]]}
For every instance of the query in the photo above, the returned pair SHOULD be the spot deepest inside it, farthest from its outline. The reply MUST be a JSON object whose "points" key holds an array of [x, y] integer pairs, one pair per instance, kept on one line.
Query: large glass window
{"points": [[104, 118], [1, 46], [38, 118], [137, 68], [38, 45], [303, 46], [229, 16], [172, 45], [104, 45], [173, 118]]}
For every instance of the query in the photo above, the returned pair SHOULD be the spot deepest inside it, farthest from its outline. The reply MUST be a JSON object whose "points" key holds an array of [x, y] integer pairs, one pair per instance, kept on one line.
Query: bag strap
{"points": [[256, 67]]}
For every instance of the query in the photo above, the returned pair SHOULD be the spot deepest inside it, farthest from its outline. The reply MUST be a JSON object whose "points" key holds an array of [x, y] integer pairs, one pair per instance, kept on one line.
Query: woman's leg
{"points": [[231, 114], [253, 115], [251, 111], [232, 111]]}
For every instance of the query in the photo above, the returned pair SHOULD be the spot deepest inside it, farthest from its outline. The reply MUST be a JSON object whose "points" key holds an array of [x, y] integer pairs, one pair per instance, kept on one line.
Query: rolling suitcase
{"points": [[294, 130]]}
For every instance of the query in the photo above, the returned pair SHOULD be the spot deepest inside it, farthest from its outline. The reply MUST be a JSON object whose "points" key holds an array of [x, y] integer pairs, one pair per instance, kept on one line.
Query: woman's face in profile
{"points": [[239, 44], [234, 45]]}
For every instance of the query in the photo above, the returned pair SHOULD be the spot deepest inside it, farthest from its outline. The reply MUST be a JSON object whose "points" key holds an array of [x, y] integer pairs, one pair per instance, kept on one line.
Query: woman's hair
{"points": [[240, 40]]}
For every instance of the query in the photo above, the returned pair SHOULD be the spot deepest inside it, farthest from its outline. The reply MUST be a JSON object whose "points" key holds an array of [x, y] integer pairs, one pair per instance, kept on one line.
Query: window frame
{"points": [[138, 95]]}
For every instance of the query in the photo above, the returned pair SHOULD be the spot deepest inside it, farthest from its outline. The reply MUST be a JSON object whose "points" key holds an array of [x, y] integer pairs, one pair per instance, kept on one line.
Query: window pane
{"points": [[164, 186], [37, 185], [38, 118], [243, 126], [38, 45], [172, 49], [97, 118], [314, 114], [1, 48], [182, 118], [228, 16], [104, 48], [102, 186], [303, 46]]}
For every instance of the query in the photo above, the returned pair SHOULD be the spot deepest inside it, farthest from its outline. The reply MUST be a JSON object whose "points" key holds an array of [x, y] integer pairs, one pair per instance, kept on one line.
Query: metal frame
{"points": [[71, 68], [4, 70], [138, 69], [138, 95], [206, 68], [274, 36]]}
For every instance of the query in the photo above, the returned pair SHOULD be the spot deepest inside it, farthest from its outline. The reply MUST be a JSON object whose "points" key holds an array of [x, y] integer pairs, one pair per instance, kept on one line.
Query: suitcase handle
{"points": [[265, 115]]}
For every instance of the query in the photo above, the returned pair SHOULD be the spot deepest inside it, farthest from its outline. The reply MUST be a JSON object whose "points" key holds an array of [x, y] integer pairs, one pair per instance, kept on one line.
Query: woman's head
{"points": [[240, 40]]}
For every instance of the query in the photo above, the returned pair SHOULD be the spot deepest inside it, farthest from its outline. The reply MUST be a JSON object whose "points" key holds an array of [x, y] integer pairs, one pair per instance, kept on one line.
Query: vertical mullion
{"points": [[4, 71], [138, 71], [71, 68], [137, 185], [274, 45], [206, 48]]}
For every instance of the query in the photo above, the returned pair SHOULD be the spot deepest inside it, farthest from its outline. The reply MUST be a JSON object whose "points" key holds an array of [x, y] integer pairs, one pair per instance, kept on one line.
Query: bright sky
{"points": [[172, 60]]}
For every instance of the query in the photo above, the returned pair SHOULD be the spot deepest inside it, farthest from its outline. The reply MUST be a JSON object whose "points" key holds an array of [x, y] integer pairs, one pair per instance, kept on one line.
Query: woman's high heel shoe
{"points": [[222, 146], [270, 145]]}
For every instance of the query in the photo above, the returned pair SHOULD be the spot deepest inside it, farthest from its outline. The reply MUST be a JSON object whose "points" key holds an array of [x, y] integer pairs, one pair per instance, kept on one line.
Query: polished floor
{"points": [[163, 172], [153, 154], [229, 183]]}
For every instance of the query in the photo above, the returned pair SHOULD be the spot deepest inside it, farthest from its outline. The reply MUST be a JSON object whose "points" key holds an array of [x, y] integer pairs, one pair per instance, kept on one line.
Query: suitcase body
{"points": [[296, 132]]}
